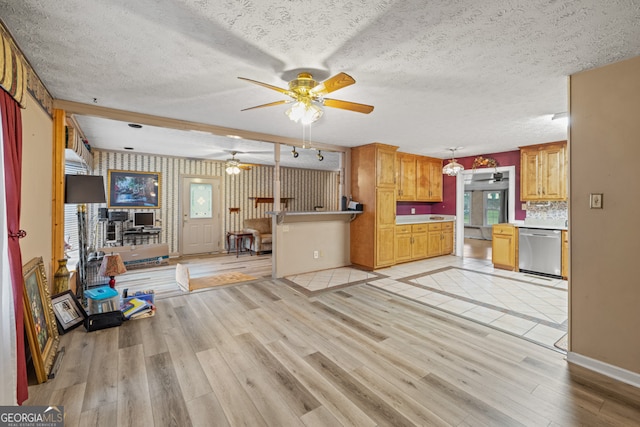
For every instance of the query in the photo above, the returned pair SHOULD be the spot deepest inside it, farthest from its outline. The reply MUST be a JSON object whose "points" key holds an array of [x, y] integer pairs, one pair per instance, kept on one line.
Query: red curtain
{"points": [[12, 137]]}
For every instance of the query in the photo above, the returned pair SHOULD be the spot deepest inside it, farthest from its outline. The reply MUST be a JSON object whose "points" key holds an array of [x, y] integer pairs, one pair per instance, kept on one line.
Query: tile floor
{"points": [[532, 307]]}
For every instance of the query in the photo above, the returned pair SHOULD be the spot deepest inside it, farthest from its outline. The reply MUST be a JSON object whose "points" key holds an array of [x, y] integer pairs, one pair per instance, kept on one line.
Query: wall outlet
{"points": [[285, 228], [316, 254], [524, 206], [413, 211]]}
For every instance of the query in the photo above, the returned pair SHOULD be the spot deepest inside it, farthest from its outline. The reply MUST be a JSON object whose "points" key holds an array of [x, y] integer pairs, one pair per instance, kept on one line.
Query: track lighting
{"points": [[320, 156], [294, 153]]}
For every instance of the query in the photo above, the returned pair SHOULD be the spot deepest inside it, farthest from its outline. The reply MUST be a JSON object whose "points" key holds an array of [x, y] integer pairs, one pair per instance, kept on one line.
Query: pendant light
{"points": [[453, 168]]}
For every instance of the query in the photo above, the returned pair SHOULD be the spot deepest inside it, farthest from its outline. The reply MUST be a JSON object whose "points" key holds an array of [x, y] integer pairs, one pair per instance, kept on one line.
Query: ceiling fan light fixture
{"points": [[304, 112], [232, 170]]}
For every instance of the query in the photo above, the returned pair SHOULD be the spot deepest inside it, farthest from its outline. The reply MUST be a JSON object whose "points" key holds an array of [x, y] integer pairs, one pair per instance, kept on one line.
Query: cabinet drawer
{"points": [[447, 225], [419, 228], [403, 229], [435, 226], [504, 229]]}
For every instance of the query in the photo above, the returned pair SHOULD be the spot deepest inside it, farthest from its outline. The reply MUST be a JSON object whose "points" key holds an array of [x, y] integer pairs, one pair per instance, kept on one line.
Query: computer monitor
{"points": [[143, 219]]}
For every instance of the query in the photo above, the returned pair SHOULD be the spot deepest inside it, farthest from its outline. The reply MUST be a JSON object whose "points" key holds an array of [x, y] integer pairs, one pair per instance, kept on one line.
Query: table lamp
{"points": [[82, 189], [112, 266]]}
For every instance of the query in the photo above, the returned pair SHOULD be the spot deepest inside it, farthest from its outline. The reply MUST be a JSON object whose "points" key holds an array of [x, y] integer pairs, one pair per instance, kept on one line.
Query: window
{"points": [[467, 207], [492, 207]]}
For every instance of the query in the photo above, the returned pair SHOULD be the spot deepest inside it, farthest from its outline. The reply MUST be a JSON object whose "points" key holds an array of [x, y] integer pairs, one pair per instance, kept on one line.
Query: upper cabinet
{"points": [[419, 178], [543, 172], [406, 176]]}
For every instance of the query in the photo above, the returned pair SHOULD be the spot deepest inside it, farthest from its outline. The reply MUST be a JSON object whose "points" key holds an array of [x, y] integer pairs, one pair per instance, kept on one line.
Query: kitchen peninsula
{"points": [[310, 241]]}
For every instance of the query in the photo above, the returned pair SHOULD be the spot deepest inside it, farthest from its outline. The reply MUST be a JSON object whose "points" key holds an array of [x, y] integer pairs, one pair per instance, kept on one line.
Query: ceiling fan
{"points": [[233, 165], [307, 96]]}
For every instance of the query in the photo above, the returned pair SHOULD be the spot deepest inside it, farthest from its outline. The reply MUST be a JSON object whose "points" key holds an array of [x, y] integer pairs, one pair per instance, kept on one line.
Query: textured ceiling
{"points": [[486, 76]]}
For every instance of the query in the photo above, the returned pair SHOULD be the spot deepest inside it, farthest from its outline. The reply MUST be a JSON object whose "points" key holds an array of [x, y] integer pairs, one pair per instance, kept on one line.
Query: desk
{"points": [[143, 236], [239, 237]]}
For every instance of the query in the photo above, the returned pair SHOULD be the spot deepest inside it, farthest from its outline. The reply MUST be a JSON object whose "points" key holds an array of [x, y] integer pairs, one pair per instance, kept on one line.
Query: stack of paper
{"points": [[137, 308]]}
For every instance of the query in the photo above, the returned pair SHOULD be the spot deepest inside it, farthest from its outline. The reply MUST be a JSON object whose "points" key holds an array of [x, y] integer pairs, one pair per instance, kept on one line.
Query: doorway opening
{"points": [[481, 201]]}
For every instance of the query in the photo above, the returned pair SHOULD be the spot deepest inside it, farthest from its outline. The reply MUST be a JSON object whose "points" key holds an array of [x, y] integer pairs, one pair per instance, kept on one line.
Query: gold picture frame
{"points": [[133, 189], [39, 318]]}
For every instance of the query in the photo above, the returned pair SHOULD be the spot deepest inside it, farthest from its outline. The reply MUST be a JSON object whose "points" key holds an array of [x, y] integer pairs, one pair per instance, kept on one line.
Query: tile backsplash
{"points": [[547, 210]]}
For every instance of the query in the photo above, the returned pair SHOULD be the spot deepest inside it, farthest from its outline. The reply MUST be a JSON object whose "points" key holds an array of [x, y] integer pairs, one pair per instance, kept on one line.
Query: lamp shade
{"points": [[112, 265], [84, 189], [452, 168]]}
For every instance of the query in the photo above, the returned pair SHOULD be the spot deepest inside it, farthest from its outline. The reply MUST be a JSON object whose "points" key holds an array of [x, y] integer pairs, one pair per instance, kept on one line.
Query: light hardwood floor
{"points": [[262, 354]]}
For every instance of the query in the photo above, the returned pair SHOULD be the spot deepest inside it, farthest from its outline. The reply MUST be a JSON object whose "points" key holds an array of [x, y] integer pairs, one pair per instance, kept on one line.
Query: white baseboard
{"points": [[611, 371]]}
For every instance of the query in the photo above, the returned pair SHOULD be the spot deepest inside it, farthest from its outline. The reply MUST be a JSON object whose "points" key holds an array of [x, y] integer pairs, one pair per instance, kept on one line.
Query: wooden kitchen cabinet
{"points": [[373, 183], [504, 247], [411, 242], [428, 179], [406, 176], [419, 178], [543, 172], [440, 239], [565, 254]]}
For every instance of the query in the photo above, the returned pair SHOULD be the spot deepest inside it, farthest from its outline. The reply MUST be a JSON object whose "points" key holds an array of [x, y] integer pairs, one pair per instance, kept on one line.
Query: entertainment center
{"points": [[118, 228]]}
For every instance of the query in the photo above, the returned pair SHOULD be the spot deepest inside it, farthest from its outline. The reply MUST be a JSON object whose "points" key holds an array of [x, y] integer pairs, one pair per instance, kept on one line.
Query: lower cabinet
{"points": [[440, 239], [419, 241], [504, 247], [411, 242]]}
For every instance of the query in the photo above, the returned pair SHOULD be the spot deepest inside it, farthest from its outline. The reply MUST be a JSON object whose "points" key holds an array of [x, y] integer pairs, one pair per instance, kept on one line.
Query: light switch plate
{"points": [[595, 200]]}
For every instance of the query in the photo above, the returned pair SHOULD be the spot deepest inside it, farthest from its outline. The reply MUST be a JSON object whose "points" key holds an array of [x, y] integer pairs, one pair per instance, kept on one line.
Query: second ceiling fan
{"points": [[307, 96]]}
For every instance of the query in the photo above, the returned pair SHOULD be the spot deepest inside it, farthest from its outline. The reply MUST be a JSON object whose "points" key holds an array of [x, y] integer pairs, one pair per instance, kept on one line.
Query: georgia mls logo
{"points": [[31, 416]]}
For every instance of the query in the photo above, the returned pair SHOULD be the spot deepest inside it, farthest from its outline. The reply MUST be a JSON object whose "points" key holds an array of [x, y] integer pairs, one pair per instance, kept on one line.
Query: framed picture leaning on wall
{"points": [[129, 189], [39, 320], [69, 313]]}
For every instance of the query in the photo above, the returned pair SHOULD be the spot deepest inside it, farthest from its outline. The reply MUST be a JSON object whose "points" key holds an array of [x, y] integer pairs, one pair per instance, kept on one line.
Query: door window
{"points": [[201, 200]]}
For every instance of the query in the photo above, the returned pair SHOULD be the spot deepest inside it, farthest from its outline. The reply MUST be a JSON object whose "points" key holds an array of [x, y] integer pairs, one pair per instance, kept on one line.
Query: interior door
{"points": [[200, 215]]}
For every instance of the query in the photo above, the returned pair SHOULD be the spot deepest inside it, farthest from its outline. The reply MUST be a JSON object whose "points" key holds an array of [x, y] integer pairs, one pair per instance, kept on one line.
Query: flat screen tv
{"points": [[143, 219]]}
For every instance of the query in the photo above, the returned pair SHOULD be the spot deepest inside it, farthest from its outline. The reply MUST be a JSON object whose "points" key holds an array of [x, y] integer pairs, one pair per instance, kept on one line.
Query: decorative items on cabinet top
{"points": [[419, 219]]}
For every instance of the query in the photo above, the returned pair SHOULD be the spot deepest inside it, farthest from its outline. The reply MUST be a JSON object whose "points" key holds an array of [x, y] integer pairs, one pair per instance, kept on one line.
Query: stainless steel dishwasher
{"points": [[540, 251]]}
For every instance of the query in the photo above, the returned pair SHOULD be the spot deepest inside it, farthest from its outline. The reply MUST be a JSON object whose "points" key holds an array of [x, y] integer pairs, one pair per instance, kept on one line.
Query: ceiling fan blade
{"points": [[336, 82], [271, 104], [268, 86], [346, 105]]}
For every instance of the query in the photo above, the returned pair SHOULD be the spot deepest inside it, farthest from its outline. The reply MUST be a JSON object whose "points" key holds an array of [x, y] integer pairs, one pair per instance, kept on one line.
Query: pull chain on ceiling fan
{"points": [[307, 96]]}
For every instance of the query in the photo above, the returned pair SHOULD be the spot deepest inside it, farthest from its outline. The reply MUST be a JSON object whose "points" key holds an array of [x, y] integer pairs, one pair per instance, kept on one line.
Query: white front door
{"points": [[200, 215]]}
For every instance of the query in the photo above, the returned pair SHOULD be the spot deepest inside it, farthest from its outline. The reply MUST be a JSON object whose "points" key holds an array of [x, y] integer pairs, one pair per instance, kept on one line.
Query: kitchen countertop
{"points": [[421, 219]]}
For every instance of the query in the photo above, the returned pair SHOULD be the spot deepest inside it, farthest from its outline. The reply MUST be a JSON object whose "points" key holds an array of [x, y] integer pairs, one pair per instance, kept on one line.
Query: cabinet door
{"points": [[386, 207], [420, 246], [385, 167], [435, 180], [447, 242], [503, 251], [403, 247], [434, 247], [553, 173], [385, 226], [385, 246], [406, 176], [423, 179], [530, 185]]}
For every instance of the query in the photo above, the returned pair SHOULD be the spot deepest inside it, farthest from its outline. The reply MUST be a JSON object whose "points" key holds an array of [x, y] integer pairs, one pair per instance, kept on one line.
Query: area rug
{"points": [[218, 280]]}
